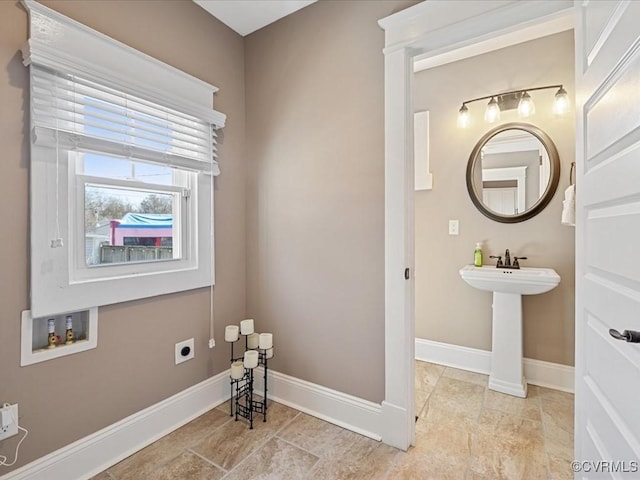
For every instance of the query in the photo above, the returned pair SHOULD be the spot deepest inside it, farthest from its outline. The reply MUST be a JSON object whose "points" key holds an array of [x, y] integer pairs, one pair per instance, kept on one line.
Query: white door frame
{"points": [[430, 33]]}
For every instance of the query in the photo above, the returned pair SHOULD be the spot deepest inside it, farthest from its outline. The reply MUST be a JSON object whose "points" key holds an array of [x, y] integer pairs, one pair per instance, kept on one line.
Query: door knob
{"points": [[628, 335]]}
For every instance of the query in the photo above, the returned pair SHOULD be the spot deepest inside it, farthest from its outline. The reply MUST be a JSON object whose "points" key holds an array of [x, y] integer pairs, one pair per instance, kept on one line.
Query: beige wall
{"points": [[447, 309], [315, 204], [65, 399]]}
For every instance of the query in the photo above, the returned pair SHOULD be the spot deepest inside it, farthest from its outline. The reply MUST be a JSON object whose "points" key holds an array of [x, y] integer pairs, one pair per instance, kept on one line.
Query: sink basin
{"points": [[524, 281]]}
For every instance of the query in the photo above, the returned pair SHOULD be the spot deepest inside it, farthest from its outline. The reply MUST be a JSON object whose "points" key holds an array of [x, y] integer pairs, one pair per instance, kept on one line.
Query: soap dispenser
{"points": [[477, 255]]}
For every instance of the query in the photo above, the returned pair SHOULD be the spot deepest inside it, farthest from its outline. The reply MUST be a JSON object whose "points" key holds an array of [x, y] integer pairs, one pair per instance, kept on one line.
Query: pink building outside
{"points": [[146, 229]]}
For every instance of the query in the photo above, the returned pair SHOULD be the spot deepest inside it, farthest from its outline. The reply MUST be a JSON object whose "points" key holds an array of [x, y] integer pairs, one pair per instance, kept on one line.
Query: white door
{"points": [[500, 200], [607, 434]]}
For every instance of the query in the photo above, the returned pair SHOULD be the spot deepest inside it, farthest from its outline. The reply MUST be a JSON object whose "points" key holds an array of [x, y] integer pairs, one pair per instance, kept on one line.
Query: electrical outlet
{"points": [[8, 421], [185, 351], [454, 227]]}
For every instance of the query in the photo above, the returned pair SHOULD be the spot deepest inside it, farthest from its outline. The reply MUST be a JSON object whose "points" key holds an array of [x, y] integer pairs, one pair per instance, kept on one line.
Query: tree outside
{"points": [[103, 205]]}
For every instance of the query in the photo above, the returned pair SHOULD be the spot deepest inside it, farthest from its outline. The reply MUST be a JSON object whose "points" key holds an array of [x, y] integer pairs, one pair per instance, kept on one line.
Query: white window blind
{"points": [[76, 113]]}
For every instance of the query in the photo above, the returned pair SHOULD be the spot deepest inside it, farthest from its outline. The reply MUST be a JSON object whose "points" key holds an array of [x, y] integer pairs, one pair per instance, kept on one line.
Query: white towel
{"points": [[569, 207]]}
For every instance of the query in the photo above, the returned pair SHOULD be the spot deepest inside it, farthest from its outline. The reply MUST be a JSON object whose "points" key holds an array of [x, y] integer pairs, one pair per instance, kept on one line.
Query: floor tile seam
{"points": [[392, 464], [563, 403], [428, 388], [482, 406], [455, 428], [199, 438], [157, 466], [547, 451], [286, 424], [484, 384], [544, 432], [547, 461], [422, 410], [318, 457], [260, 445], [209, 461], [553, 402], [297, 446], [472, 448], [514, 414], [511, 438]]}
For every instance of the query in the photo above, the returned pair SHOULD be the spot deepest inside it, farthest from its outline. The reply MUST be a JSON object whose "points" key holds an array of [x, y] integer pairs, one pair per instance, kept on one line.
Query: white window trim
{"points": [[79, 272], [55, 285]]}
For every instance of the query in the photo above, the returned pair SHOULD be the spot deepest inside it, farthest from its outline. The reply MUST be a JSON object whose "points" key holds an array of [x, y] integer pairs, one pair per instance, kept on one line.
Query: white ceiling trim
{"points": [[560, 22], [247, 16]]}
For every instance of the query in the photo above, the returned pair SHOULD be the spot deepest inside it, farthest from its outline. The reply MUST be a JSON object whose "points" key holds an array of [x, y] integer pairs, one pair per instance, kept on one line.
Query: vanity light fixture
{"points": [[526, 108], [561, 102], [463, 117], [492, 113], [519, 99]]}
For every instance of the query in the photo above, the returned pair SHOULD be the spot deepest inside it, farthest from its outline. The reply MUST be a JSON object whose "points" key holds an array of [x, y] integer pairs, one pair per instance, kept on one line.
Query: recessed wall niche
{"points": [[35, 334]]}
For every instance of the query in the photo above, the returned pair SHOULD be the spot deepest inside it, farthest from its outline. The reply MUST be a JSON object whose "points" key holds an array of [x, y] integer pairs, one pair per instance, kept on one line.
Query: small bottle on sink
{"points": [[477, 255]]}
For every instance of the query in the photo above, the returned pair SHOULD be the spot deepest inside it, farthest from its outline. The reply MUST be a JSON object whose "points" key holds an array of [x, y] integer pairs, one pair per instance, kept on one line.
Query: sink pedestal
{"points": [[508, 286], [507, 374]]}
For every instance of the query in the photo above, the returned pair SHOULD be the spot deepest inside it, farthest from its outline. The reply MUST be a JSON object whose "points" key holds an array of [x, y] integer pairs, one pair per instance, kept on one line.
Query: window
{"points": [[121, 177]]}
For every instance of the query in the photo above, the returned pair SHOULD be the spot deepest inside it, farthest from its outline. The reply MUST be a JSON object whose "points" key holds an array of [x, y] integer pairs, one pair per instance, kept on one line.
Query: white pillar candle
{"points": [[237, 370], [231, 333], [266, 341], [253, 340], [246, 326], [250, 359], [270, 353]]}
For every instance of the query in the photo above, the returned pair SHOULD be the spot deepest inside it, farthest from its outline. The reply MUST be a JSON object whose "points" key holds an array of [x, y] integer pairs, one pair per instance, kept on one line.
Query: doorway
{"points": [[429, 33]]}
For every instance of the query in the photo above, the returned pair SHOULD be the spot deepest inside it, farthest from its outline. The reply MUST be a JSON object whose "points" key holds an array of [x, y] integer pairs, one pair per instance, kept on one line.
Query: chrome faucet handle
{"points": [[499, 262], [516, 264]]}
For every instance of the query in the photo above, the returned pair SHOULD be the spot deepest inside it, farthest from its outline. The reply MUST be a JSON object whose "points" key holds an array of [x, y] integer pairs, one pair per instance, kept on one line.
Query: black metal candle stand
{"points": [[242, 403]]}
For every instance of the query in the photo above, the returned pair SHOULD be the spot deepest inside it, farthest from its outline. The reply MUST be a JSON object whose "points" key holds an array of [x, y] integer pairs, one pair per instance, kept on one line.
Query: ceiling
{"points": [[247, 16]]}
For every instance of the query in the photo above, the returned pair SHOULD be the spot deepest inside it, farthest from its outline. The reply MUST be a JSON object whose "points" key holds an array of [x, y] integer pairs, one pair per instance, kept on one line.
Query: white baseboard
{"points": [[100, 450], [344, 410], [396, 431], [537, 372], [96, 452]]}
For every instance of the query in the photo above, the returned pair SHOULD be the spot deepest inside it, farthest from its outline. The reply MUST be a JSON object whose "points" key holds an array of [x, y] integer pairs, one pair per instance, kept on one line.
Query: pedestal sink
{"points": [[508, 286]]}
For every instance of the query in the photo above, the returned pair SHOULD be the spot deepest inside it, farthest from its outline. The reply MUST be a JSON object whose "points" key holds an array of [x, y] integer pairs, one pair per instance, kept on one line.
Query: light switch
{"points": [[454, 227]]}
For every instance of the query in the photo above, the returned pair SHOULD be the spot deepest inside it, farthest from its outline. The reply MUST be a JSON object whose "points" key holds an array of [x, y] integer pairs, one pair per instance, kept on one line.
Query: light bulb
{"points": [[463, 117], [526, 106], [561, 102], [492, 113]]}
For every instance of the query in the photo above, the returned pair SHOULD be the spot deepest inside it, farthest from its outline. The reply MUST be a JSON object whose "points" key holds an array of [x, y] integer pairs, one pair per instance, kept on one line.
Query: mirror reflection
{"points": [[511, 172]]}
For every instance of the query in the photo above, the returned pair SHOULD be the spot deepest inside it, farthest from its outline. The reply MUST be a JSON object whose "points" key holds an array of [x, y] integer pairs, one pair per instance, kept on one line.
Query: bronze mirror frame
{"points": [[547, 195]]}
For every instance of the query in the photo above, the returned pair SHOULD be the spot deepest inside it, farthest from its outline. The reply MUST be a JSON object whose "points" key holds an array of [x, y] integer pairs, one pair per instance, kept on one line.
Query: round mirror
{"points": [[513, 172]]}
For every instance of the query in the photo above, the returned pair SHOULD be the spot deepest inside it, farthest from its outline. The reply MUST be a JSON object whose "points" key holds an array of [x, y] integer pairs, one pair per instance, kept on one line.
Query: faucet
{"points": [[507, 261]]}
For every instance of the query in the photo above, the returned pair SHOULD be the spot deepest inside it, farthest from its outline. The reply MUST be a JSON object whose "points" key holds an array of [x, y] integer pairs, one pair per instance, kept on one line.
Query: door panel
{"points": [[613, 36], [613, 240], [606, 433], [597, 18], [608, 370], [607, 234], [613, 114], [623, 172]]}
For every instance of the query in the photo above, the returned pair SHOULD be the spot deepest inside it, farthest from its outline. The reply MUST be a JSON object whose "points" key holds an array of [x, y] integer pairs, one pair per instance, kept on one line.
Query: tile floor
{"points": [[464, 431]]}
